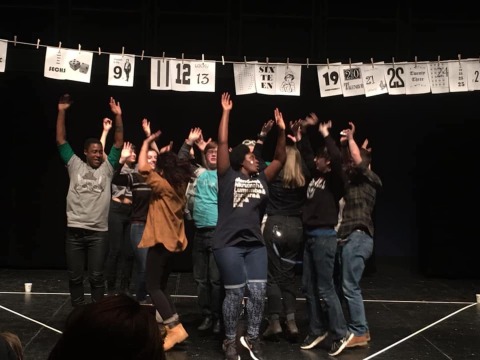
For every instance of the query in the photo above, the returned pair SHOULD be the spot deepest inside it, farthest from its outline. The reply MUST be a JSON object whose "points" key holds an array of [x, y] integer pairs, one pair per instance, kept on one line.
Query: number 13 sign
{"points": [[182, 75]]}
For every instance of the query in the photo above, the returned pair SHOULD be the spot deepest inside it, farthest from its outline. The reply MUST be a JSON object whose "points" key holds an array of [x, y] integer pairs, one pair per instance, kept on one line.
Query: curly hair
{"points": [[237, 155], [176, 171]]}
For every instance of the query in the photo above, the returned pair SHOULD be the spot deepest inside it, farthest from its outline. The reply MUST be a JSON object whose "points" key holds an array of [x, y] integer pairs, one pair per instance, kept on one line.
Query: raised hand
{"points": [[146, 127], [201, 143], [126, 151], [64, 102], [279, 119], [324, 127], [107, 124], [194, 135], [115, 106], [166, 148], [227, 104], [267, 127]]}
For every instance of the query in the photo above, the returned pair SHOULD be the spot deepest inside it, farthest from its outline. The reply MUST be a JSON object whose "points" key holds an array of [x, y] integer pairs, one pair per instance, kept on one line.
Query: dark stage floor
{"points": [[410, 316]]}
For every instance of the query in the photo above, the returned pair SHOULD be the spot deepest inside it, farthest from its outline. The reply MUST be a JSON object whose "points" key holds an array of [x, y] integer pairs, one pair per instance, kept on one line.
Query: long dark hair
{"points": [[176, 171]]}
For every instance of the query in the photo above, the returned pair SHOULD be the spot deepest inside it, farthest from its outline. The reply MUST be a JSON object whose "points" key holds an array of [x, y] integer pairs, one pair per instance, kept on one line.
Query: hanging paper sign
{"points": [[266, 79], [329, 80], [244, 75], [3, 54], [188, 75], [351, 79], [68, 64], [121, 70], [373, 77], [288, 80], [160, 74], [473, 74], [416, 79], [438, 74], [395, 76]]}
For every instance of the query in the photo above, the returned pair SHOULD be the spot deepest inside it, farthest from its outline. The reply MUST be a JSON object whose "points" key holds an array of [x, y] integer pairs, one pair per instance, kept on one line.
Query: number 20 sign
{"points": [[182, 75]]}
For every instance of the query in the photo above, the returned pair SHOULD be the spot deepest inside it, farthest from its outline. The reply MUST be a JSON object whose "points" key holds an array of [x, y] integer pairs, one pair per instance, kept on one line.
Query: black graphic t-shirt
{"points": [[241, 205]]}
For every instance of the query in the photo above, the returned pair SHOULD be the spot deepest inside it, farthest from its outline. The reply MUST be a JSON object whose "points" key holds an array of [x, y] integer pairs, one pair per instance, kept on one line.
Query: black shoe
{"points": [[217, 326], [273, 331], [339, 345], [312, 340], [254, 347], [206, 324]]}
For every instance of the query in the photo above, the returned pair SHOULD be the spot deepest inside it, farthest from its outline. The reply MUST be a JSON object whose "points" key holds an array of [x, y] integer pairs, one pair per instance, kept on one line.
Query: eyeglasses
{"points": [[249, 142]]}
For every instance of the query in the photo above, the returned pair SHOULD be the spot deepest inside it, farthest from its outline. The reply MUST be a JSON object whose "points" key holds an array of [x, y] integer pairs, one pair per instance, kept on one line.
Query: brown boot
{"points": [[273, 330], [292, 330], [175, 335]]}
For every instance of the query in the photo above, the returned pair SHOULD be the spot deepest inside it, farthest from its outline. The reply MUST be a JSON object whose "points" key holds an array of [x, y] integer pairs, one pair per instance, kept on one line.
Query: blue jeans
{"points": [[286, 234], [354, 253], [323, 305], [136, 232], [85, 247], [206, 274]]}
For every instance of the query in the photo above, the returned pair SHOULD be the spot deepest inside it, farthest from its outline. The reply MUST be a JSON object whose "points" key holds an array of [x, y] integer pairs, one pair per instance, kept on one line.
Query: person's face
{"points": [[322, 164], [132, 158], [94, 155], [152, 158], [211, 158], [250, 163]]}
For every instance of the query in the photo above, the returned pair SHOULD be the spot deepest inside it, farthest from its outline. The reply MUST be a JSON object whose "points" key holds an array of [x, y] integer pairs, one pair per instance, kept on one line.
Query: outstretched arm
{"points": [[61, 132], [143, 166], [118, 134], [107, 125], [148, 132], [223, 156], [352, 145], [280, 156]]}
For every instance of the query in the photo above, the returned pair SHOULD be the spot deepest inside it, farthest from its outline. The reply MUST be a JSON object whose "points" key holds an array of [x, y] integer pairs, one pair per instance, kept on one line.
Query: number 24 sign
{"points": [[182, 75]]}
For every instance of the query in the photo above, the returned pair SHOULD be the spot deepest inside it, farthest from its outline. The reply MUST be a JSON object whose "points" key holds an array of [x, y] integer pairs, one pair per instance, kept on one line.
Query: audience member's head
{"points": [[10, 346], [116, 327]]}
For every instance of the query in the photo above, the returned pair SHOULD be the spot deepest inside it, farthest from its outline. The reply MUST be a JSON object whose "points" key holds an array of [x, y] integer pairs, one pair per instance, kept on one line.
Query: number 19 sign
{"points": [[182, 75]]}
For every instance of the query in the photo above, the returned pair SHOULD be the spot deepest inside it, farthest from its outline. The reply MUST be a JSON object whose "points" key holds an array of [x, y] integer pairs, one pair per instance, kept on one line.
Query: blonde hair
{"points": [[292, 170]]}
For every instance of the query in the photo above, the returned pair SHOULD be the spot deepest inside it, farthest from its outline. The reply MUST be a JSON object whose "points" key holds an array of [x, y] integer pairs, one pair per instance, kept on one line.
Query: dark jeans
{"points": [[283, 238], [136, 232], [85, 247], [119, 261], [210, 290], [159, 266]]}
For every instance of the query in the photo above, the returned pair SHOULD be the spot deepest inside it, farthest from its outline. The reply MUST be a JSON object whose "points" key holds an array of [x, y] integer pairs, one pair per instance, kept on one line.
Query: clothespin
{"points": [[38, 43], [349, 63], [203, 58], [143, 52], [267, 61], [328, 63], [182, 58], [59, 46], [438, 60], [373, 65], [79, 48], [164, 56], [415, 60], [15, 40], [245, 60], [393, 62], [308, 62], [459, 60], [123, 51], [223, 60], [99, 51], [288, 60]]}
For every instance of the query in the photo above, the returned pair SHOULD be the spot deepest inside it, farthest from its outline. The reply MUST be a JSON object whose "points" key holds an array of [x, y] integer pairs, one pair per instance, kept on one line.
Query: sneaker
{"points": [[367, 334], [312, 340], [253, 346], [338, 345], [229, 347], [361, 340]]}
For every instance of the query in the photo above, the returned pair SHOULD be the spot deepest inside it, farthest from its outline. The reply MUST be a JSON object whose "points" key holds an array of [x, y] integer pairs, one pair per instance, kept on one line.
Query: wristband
{"points": [[261, 136]]}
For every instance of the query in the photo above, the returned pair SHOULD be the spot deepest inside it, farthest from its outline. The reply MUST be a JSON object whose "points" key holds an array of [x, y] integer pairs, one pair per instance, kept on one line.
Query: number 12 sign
{"points": [[182, 75]]}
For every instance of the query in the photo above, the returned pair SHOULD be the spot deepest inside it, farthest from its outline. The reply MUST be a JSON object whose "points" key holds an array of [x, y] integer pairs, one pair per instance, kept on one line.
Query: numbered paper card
{"points": [[351, 79], [457, 76], [68, 64], [121, 70], [373, 77], [266, 79], [288, 80], [160, 74], [187, 75], [244, 75], [3, 54], [395, 77], [473, 74], [329, 80], [416, 79], [438, 74]]}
